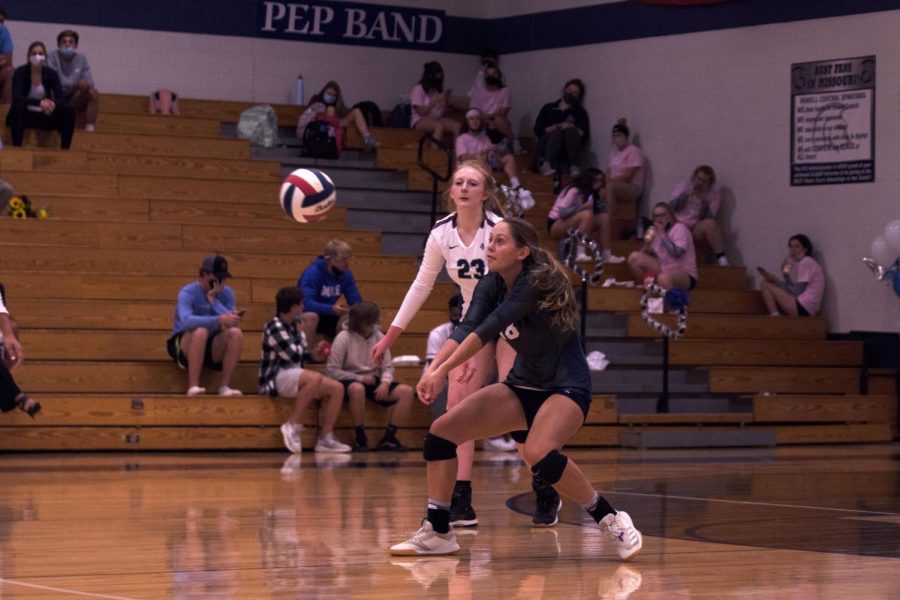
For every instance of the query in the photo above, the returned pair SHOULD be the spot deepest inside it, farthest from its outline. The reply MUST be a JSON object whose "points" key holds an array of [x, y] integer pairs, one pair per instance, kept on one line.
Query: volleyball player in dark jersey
{"points": [[526, 297]]}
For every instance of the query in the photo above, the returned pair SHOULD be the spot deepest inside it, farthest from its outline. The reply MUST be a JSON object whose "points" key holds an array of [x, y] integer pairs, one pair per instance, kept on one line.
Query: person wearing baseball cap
{"points": [[206, 330]]}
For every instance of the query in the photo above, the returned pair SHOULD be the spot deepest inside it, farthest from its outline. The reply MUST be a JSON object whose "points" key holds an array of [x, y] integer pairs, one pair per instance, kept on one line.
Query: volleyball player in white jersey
{"points": [[458, 243]]}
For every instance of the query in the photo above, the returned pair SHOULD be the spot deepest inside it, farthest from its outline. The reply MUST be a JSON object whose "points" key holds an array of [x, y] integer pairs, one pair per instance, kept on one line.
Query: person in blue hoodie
{"points": [[323, 283]]}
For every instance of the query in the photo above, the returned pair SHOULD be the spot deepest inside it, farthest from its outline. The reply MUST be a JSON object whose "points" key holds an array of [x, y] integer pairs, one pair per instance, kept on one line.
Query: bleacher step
{"points": [[696, 437]]}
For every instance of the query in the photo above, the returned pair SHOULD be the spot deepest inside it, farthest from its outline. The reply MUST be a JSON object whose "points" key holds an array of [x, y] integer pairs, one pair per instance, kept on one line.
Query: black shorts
{"points": [[693, 282], [550, 223], [801, 312], [173, 345], [532, 400], [327, 325], [370, 391]]}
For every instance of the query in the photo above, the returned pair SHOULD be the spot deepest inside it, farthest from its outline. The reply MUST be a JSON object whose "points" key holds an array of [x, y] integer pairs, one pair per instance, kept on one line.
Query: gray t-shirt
{"points": [[70, 71]]}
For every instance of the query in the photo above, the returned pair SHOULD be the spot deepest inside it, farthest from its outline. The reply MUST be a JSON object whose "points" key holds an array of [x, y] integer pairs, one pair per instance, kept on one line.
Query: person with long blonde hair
{"points": [[527, 299], [457, 243]]}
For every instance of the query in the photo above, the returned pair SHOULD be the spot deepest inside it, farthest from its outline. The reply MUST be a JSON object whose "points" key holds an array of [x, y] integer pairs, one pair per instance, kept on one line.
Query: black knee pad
{"points": [[551, 467], [437, 448]]}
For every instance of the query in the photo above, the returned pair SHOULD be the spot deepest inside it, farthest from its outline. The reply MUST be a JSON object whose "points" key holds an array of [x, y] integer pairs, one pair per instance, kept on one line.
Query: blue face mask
{"points": [[329, 99], [67, 52]]}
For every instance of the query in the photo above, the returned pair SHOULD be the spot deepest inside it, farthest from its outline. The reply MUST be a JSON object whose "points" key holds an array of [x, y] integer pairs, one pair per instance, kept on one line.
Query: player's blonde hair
{"points": [[336, 247], [546, 275], [494, 202]]}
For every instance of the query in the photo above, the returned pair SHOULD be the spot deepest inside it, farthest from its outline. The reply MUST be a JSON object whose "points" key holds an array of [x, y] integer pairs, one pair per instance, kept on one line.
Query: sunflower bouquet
{"points": [[20, 207]]}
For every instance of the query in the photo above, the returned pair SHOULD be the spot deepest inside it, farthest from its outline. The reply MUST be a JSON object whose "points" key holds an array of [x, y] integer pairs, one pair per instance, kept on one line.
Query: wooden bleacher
{"points": [[139, 202]]}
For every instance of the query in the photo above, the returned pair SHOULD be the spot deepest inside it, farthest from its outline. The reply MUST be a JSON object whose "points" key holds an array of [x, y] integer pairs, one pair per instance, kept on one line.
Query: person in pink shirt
{"points": [[474, 143], [668, 253], [802, 287], [492, 99], [695, 202], [430, 101], [625, 179], [582, 205]]}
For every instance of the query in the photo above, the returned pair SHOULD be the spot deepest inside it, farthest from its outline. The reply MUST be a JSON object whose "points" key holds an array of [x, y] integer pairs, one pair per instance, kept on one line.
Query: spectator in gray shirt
{"points": [[75, 75]]}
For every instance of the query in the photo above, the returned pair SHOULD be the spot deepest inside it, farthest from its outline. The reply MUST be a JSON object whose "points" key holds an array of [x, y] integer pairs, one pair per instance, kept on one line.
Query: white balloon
{"points": [[892, 236], [881, 252]]}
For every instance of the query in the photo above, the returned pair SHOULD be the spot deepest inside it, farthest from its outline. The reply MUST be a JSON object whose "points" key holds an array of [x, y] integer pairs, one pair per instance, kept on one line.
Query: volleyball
{"points": [[307, 195]]}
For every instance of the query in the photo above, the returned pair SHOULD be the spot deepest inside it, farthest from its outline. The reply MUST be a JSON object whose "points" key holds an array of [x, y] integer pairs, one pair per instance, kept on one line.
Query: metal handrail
{"points": [[435, 176]]}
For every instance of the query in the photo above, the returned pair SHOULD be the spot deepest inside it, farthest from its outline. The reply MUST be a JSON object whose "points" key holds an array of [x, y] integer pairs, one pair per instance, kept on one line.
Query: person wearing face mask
{"points": [[328, 105], [206, 330], [625, 178], [799, 292], [667, 256], [492, 99], [38, 100], [350, 363], [281, 373], [430, 101], [695, 202], [562, 129], [75, 75], [6, 64]]}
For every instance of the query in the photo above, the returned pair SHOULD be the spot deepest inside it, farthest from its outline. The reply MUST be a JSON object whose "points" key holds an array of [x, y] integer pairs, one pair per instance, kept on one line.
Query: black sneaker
{"points": [[391, 445], [361, 448], [461, 512], [546, 508]]}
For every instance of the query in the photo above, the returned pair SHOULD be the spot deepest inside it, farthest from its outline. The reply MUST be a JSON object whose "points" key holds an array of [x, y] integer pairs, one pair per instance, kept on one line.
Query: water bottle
{"points": [[298, 91]]}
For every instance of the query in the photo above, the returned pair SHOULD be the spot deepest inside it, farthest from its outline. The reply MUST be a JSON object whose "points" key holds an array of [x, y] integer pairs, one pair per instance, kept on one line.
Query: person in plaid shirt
{"points": [[281, 373]]}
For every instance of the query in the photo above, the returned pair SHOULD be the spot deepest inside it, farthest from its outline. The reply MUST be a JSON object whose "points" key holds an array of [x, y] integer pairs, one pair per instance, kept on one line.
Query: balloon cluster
{"points": [[678, 300], [885, 256], [568, 252], [20, 207]]}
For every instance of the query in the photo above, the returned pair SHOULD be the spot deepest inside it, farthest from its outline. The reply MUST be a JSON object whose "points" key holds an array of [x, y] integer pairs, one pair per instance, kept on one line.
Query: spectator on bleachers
{"points": [[38, 101], [6, 60], [492, 99], [695, 202], [667, 256], [625, 178], [430, 102], [11, 356], [473, 142], [206, 330], [76, 78], [582, 205], [323, 283], [800, 290], [350, 363], [281, 373], [562, 129], [328, 105], [488, 56]]}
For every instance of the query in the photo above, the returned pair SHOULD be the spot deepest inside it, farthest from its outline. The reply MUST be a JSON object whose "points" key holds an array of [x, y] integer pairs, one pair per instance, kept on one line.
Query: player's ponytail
{"points": [[546, 275]]}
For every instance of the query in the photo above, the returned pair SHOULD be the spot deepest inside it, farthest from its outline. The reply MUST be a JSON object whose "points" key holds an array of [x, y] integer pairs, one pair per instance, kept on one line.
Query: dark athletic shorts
{"points": [[693, 282], [328, 325], [802, 312], [370, 391], [533, 399], [173, 345]]}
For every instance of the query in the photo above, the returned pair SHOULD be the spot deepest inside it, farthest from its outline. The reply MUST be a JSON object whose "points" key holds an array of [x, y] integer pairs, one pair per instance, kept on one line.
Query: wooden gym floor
{"points": [[792, 522]]}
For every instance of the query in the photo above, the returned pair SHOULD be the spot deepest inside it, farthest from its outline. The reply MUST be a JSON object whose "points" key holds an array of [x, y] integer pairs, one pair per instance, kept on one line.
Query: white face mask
{"points": [[37, 60]]}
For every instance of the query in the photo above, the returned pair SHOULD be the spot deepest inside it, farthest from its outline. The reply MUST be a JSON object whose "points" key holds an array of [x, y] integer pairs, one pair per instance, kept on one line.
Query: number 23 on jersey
{"points": [[473, 269]]}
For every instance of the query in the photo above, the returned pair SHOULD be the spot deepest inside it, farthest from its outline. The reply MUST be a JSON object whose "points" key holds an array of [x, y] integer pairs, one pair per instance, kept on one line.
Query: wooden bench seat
{"points": [[784, 380], [721, 301], [818, 353], [733, 326], [820, 408], [684, 418], [222, 111]]}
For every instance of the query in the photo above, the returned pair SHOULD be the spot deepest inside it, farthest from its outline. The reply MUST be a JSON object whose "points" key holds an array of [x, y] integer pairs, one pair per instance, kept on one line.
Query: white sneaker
{"points": [[621, 530], [329, 443], [582, 255], [227, 391], [547, 169], [291, 434], [500, 444], [196, 391], [427, 541], [612, 259], [722, 261]]}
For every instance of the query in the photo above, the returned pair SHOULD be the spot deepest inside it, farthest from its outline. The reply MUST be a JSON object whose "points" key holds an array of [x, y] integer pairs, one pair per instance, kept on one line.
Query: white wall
{"points": [[723, 98], [720, 97]]}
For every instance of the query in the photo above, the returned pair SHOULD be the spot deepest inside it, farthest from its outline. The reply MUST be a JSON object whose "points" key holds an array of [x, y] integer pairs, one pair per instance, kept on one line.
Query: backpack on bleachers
{"points": [[401, 116], [320, 140], [371, 112], [259, 124]]}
